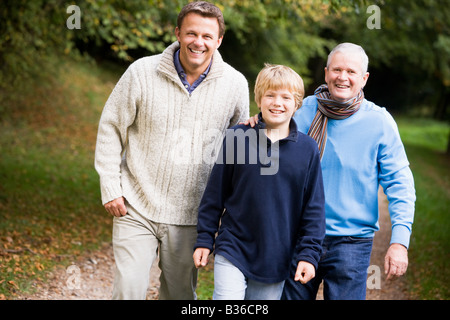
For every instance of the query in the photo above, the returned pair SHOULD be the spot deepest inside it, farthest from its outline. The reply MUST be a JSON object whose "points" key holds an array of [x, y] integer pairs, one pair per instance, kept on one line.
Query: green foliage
{"points": [[127, 25], [27, 38], [278, 31], [282, 31], [413, 41]]}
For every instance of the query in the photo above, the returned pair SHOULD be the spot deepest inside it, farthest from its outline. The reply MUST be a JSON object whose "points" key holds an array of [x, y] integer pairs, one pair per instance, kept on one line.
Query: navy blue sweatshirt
{"points": [[265, 217]]}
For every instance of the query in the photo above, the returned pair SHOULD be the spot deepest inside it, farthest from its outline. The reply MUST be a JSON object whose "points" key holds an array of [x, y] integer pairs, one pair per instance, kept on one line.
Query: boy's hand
{"points": [[201, 257], [305, 272], [252, 121]]}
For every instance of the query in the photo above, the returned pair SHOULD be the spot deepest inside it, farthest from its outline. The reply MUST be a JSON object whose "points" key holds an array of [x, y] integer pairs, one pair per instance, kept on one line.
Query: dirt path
{"points": [[392, 289], [91, 278]]}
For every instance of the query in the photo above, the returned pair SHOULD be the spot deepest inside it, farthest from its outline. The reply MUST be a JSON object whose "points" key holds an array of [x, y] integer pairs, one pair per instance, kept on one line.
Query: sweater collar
{"points": [[293, 130], [167, 66]]}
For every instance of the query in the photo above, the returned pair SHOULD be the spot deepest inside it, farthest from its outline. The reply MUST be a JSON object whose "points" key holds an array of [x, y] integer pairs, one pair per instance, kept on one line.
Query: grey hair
{"points": [[348, 47]]}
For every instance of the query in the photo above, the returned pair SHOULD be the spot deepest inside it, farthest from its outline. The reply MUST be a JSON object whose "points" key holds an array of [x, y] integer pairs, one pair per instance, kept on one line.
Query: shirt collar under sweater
{"points": [[182, 73], [166, 65]]}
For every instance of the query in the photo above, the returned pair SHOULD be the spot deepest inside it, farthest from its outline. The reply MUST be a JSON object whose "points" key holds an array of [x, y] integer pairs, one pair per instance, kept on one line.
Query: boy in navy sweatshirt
{"points": [[264, 198]]}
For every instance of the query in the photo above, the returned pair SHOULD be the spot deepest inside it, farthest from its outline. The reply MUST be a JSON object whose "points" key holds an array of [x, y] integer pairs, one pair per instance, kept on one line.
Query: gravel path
{"points": [[91, 277]]}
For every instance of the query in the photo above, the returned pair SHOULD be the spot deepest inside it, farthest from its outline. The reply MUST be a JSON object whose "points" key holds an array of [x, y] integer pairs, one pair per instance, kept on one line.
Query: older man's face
{"points": [[344, 76]]}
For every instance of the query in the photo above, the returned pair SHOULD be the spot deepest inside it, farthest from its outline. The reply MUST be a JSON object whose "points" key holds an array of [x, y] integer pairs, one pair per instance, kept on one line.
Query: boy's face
{"points": [[277, 107]]}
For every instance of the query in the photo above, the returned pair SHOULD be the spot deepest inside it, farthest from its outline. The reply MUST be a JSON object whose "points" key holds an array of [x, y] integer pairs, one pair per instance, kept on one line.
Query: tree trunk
{"points": [[441, 111]]}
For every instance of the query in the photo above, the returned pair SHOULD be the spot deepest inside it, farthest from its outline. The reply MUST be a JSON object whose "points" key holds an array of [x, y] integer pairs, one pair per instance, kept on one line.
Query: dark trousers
{"points": [[342, 268]]}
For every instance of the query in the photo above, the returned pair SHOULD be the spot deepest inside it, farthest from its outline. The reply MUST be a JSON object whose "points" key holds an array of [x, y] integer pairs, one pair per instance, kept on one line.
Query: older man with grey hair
{"points": [[360, 149]]}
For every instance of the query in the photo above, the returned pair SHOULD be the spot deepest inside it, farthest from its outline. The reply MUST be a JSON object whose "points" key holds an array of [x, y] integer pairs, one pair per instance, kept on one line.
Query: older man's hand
{"points": [[395, 261], [251, 121]]}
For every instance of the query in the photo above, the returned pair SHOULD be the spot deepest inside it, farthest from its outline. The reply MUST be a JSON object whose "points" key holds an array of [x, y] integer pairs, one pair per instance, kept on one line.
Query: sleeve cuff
{"points": [[110, 191], [401, 234]]}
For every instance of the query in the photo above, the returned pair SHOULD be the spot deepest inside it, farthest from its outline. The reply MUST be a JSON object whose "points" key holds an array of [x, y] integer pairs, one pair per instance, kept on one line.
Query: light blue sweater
{"points": [[361, 153]]}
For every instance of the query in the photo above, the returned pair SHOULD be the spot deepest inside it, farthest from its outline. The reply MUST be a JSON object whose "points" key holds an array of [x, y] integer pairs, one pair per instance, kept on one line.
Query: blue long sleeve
{"points": [[363, 152]]}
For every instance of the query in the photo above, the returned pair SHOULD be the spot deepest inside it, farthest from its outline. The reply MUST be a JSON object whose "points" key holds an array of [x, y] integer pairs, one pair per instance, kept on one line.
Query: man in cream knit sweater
{"points": [[157, 142]]}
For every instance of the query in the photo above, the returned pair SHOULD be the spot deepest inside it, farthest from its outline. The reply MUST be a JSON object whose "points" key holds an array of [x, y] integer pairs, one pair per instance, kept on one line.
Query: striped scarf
{"points": [[328, 108]]}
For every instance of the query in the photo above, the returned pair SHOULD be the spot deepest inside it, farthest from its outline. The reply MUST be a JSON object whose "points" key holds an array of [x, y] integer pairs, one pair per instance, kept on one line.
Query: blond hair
{"points": [[274, 77]]}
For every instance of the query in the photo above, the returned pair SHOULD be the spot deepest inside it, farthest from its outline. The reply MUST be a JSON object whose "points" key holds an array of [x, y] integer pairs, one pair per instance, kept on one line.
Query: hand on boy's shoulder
{"points": [[252, 121]]}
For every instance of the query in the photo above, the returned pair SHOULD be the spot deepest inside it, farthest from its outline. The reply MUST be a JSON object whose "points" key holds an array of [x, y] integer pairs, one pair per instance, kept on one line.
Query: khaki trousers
{"points": [[136, 241]]}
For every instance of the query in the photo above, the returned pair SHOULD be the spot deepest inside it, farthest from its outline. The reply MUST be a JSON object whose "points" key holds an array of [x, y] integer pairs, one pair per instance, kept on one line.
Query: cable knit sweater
{"points": [[157, 143]]}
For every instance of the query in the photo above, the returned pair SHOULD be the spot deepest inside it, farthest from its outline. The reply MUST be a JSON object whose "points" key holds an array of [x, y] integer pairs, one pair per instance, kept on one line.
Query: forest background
{"points": [[59, 60]]}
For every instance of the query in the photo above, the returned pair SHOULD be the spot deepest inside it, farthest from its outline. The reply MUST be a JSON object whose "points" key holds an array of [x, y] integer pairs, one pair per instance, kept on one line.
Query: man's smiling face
{"points": [[344, 76], [199, 38]]}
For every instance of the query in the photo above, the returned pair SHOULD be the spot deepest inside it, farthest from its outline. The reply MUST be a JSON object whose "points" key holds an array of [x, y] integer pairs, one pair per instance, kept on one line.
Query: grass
{"points": [[426, 142], [205, 285], [50, 210]]}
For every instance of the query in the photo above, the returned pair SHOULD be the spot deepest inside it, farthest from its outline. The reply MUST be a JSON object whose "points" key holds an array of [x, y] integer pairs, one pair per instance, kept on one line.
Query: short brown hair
{"points": [[204, 9], [274, 77]]}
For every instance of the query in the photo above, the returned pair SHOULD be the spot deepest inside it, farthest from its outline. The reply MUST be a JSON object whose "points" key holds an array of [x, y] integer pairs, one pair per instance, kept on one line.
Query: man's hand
{"points": [[305, 272], [251, 121], [395, 261], [116, 207], [201, 257]]}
